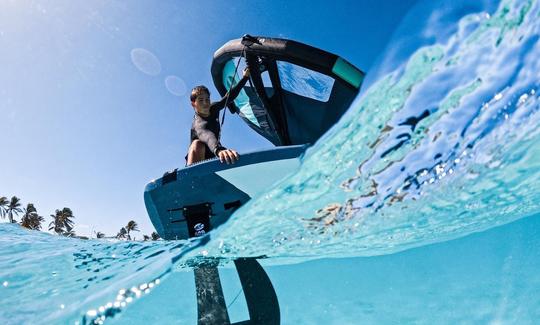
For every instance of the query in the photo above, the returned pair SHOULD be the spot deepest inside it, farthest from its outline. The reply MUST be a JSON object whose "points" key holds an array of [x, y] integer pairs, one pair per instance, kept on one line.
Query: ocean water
{"points": [[422, 205]]}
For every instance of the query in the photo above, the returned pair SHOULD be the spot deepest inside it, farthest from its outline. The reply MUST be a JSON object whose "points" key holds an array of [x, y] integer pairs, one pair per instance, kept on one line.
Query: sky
{"points": [[94, 95]]}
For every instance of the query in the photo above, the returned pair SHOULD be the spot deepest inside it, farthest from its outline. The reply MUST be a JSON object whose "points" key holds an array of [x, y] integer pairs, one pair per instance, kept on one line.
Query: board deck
{"points": [[178, 201]]}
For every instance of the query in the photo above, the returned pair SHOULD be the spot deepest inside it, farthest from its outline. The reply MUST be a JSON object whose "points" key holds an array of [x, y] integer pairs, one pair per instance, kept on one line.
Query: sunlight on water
{"points": [[444, 146], [53, 276]]}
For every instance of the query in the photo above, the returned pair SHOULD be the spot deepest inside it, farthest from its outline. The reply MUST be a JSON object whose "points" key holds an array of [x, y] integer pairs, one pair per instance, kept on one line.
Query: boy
{"points": [[205, 129]]}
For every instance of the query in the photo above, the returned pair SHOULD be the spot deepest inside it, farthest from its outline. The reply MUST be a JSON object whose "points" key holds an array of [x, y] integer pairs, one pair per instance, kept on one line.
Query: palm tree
{"points": [[27, 214], [31, 219], [3, 206], [99, 234], [14, 207], [62, 223], [154, 236], [122, 233], [71, 233], [131, 226]]}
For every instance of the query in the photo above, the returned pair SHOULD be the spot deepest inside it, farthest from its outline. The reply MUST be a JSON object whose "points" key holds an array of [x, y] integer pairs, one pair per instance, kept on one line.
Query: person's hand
{"points": [[228, 155], [246, 72]]}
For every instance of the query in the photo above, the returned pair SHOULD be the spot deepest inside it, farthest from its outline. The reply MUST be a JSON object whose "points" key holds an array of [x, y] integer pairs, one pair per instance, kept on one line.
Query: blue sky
{"points": [[86, 116]]}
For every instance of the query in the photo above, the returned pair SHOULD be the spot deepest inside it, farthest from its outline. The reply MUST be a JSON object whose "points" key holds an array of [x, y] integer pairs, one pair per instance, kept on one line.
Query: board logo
{"points": [[199, 229]]}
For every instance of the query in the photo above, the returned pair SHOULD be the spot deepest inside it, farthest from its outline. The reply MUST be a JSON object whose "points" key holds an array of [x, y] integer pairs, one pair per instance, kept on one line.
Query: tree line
{"points": [[62, 220]]}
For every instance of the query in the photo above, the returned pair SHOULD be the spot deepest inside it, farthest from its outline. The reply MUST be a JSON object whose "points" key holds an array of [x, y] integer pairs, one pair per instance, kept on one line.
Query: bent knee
{"points": [[197, 146]]}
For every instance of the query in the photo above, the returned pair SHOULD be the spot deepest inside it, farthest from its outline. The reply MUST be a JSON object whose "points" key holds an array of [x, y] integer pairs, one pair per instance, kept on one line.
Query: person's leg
{"points": [[196, 152]]}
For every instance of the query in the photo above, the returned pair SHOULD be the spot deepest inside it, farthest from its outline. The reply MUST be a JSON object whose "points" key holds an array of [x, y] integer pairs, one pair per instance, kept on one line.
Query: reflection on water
{"points": [[112, 308], [52, 277], [486, 278]]}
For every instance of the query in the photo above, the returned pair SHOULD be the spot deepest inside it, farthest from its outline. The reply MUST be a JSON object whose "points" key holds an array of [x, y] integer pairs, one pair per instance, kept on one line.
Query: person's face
{"points": [[202, 104]]}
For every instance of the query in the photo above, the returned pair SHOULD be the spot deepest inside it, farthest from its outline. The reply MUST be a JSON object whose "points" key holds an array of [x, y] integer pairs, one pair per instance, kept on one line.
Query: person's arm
{"points": [[233, 93], [210, 139], [225, 155]]}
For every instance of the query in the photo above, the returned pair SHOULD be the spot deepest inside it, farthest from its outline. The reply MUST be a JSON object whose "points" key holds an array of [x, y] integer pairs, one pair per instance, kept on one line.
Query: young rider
{"points": [[205, 129]]}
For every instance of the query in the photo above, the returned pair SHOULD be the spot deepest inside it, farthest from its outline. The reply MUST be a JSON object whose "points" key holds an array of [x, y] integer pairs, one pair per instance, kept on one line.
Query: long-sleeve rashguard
{"points": [[207, 129]]}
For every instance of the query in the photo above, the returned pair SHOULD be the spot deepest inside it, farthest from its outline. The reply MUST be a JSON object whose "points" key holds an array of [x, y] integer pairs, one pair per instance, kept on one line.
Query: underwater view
{"points": [[420, 206]]}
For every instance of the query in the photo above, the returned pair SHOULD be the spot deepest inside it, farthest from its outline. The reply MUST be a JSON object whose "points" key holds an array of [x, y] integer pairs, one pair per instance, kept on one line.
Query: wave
{"points": [[443, 146]]}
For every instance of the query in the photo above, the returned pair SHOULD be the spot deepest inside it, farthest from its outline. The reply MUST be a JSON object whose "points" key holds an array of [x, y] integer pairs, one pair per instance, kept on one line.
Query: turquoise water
{"points": [[421, 206]]}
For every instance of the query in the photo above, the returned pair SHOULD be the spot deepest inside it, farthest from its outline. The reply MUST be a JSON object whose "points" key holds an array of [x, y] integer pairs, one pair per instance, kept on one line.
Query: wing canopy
{"points": [[296, 92]]}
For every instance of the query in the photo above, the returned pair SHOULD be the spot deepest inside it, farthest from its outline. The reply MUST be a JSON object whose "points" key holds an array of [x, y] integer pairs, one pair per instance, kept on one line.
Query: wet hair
{"points": [[197, 91]]}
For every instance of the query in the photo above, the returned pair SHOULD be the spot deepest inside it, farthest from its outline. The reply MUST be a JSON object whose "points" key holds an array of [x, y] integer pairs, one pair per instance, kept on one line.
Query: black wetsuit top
{"points": [[207, 129]]}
